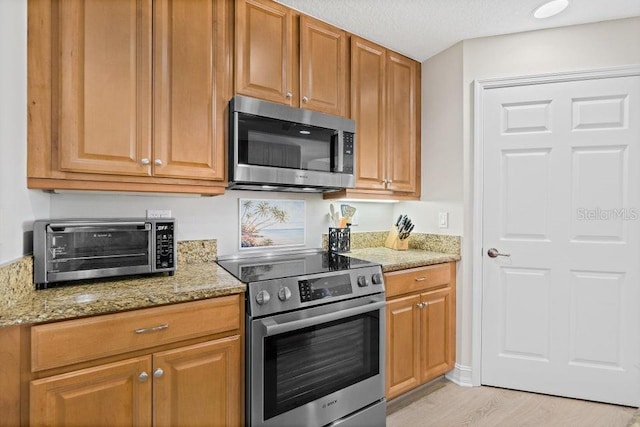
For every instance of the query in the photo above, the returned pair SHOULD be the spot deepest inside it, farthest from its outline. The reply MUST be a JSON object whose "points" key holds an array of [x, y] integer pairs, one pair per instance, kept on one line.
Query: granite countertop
{"points": [[190, 282], [392, 260]]}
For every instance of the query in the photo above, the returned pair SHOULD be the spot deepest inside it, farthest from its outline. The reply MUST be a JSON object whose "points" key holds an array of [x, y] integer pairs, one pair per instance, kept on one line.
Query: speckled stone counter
{"points": [[392, 260], [197, 277], [190, 282]]}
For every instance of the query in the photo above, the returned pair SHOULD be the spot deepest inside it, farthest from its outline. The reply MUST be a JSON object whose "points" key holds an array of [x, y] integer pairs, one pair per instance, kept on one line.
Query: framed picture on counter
{"points": [[268, 223]]}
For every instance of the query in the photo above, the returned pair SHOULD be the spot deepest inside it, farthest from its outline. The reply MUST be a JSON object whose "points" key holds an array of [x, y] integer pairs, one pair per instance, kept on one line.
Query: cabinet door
{"points": [[323, 67], [102, 86], [199, 386], [368, 110], [265, 63], [191, 73], [437, 333], [403, 345], [106, 395], [403, 115]]}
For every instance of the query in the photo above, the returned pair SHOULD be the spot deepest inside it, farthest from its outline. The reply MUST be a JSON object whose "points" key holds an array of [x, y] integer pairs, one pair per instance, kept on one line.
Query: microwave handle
{"points": [[274, 328], [67, 226]]}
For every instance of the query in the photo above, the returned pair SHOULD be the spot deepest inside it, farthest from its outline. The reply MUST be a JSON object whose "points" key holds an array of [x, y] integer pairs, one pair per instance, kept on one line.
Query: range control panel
{"points": [[291, 293]]}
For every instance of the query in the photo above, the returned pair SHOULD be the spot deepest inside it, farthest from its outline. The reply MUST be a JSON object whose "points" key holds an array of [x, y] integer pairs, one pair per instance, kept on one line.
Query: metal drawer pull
{"points": [[152, 329], [158, 373], [143, 377], [420, 279]]}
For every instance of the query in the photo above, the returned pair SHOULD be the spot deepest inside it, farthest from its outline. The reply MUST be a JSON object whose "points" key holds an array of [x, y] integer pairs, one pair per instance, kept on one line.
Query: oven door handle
{"points": [[274, 328]]}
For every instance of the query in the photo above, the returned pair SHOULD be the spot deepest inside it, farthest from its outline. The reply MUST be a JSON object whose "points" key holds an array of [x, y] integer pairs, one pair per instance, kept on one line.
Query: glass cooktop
{"points": [[254, 268]]}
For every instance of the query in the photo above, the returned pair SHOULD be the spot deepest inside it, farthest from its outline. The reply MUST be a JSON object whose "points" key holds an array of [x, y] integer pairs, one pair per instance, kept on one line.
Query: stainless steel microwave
{"points": [[280, 148], [74, 249]]}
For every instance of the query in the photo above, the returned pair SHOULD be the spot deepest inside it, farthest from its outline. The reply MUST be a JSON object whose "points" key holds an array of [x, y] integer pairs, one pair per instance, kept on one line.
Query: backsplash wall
{"points": [[201, 218]]}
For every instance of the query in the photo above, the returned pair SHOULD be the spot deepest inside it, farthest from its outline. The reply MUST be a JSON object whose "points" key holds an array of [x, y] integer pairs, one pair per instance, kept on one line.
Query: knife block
{"points": [[394, 242]]}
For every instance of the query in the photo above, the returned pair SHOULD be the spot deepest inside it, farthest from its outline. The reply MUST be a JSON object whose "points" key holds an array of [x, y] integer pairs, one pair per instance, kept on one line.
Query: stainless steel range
{"points": [[315, 339]]}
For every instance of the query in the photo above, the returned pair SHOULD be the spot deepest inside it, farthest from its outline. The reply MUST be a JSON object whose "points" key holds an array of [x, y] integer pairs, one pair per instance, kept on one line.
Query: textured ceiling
{"points": [[422, 28]]}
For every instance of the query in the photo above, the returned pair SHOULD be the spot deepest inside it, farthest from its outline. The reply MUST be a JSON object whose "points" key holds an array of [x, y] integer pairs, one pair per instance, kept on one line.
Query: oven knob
{"points": [[263, 297], [362, 281], [376, 278], [284, 293]]}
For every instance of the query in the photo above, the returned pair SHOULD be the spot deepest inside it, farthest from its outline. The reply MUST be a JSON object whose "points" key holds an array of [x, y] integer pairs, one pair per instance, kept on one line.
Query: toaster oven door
{"points": [[90, 250]]}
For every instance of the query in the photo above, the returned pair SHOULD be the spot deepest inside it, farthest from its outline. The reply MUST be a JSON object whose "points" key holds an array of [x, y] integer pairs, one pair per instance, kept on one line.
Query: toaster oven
{"points": [[75, 249]]}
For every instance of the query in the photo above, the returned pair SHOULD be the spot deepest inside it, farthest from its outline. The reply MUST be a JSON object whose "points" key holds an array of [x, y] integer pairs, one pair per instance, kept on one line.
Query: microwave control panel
{"points": [[164, 245], [348, 152]]}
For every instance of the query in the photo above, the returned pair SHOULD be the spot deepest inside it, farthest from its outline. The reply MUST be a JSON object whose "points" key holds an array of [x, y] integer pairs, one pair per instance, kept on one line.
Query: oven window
{"points": [[96, 249], [268, 142], [307, 364]]}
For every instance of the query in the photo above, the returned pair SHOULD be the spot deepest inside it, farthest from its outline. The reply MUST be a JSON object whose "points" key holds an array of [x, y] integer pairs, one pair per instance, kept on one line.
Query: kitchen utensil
{"points": [[347, 211], [335, 216], [405, 234]]}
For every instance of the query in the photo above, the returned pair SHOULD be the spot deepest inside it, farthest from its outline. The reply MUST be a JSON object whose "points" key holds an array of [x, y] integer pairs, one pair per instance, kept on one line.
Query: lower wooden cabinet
{"points": [[196, 385], [420, 326], [185, 372]]}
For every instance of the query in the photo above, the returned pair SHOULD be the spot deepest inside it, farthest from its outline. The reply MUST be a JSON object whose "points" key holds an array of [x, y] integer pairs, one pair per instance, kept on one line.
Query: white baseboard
{"points": [[460, 375]]}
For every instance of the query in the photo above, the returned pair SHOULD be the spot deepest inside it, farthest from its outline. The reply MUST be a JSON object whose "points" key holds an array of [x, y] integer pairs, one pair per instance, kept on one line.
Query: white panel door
{"points": [[560, 315]]}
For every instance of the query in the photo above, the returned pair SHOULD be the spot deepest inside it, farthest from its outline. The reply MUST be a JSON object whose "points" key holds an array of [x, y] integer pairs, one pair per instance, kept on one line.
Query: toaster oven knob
{"points": [[263, 297], [284, 293], [376, 278]]}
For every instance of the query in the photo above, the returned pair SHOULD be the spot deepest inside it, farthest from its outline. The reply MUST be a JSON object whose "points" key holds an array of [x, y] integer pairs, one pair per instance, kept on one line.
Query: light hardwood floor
{"points": [[450, 405]]}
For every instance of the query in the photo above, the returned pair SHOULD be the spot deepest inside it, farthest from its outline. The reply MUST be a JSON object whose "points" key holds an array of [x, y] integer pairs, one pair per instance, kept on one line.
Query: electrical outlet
{"points": [[443, 219], [158, 213]]}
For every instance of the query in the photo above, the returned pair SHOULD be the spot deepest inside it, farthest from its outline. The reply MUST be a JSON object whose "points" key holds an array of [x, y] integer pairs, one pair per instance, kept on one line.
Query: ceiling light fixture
{"points": [[550, 9]]}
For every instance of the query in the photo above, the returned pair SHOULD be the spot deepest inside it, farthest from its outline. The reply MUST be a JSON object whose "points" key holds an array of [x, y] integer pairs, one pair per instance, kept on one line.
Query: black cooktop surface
{"points": [[287, 264]]}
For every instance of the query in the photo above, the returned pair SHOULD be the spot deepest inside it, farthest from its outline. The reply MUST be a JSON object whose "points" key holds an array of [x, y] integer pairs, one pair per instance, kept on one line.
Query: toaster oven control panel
{"points": [[164, 245]]}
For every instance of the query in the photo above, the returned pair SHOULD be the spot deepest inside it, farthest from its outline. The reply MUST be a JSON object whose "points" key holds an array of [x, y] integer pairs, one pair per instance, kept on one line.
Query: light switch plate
{"points": [[443, 219]]}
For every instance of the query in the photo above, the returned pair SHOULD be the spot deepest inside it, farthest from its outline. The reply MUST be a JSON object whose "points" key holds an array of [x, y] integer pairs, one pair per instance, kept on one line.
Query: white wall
{"points": [[212, 217], [582, 47], [18, 206]]}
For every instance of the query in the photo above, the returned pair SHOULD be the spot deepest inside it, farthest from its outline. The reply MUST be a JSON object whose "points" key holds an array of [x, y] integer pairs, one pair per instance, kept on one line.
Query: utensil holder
{"points": [[339, 239], [394, 242]]}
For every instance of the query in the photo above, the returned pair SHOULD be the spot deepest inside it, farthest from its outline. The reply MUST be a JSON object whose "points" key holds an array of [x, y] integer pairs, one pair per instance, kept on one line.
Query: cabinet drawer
{"points": [[81, 340], [417, 279]]}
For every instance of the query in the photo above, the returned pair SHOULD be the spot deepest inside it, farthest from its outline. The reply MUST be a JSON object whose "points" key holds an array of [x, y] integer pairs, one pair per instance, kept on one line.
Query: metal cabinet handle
{"points": [[144, 161], [289, 95], [422, 305], [157, 162], [420, 279], [152, 329], [158, 373], [143, 377], [389, 181], [493, 253], [305, 99]]}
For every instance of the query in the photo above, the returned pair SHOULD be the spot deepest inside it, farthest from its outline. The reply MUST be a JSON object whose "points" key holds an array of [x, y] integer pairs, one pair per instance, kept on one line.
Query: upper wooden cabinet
{"points": [[290, 59], [130, 95], [385, 103]]}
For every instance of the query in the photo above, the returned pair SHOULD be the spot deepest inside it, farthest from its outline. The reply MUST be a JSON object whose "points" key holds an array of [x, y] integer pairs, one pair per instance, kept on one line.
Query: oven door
{"points": [[315, 366]]}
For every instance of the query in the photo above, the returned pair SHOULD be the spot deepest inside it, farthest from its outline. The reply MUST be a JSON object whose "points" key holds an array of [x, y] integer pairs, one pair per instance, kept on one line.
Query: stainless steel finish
{"points": [[493, 253], [372, 416], [284, 293], [157, 162], [85, 225], [332, 407], [43, 274], [263, 297], [145, 161], [265, 178], [305, 99], [272, 327], [143, 377], [420, 279], [421, 305], [277, 305], [289, 95], [151, 329], [158, 373]]}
